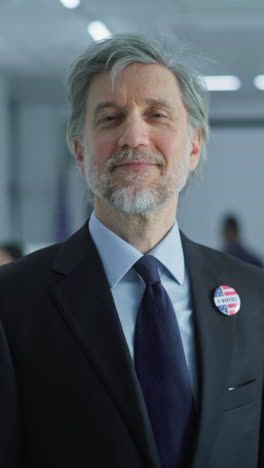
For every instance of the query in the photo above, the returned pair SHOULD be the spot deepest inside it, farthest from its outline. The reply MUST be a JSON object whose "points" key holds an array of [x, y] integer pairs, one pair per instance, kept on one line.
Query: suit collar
{"points": [[124, 255], [73, 251]]}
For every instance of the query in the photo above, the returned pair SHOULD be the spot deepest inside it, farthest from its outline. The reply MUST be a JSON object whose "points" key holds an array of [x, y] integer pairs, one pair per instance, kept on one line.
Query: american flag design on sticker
{"points": [[227, 300]]}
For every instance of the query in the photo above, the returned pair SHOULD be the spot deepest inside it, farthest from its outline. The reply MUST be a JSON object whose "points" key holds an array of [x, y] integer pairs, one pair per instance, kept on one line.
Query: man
{"points": [[231, 233], [125, 346]]}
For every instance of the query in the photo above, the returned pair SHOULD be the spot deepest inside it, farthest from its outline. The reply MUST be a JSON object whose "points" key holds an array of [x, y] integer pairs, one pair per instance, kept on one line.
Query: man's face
{"points": [[136, 151]]}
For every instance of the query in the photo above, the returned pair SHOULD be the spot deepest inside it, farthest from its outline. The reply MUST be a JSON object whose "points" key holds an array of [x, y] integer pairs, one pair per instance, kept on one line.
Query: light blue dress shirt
{"points": [[127, 287]]}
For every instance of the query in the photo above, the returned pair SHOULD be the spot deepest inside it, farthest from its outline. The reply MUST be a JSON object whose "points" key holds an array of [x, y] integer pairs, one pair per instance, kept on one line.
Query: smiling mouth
{"points": [[136, 164]]}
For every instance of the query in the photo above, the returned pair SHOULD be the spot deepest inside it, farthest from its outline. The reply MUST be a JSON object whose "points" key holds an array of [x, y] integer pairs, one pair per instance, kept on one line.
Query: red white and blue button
{"points": [[227, 300]]}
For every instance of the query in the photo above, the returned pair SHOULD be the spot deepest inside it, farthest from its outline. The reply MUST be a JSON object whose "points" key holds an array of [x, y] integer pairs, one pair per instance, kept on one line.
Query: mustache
{"points": [[135, 155]]}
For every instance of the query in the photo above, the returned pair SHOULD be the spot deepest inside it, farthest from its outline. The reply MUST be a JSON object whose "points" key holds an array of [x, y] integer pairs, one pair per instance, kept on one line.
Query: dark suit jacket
{"points": [[69, 396]]}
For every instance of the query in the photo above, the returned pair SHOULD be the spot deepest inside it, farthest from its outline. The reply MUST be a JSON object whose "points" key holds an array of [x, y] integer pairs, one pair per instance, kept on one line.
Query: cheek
{"points": [[172, 146], [101, 149]]}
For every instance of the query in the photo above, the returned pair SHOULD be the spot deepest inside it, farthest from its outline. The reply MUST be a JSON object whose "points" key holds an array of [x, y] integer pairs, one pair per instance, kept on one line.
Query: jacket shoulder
{"points": [[37, 262], [214, 261]]}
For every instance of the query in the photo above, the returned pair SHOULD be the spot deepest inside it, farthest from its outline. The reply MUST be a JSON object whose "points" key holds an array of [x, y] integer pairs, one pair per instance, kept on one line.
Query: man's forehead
{"points": [[151, 81]]}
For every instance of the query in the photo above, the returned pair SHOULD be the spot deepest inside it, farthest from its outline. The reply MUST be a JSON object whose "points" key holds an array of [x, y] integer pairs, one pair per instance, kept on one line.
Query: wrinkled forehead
{"points": [[136, 81]]}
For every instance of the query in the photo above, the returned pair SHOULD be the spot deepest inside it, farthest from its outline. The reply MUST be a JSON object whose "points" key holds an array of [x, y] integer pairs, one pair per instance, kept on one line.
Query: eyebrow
{"points": [[152, 102], [159, 102], [104, 105]]}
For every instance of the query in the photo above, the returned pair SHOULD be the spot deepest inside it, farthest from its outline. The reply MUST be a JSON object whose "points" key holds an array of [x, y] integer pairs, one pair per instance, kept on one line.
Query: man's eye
{"points": [[158, 115], [109, 118]]}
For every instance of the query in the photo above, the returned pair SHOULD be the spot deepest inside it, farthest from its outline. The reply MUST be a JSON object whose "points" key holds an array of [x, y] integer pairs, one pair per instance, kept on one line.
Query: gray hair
{"points": [[116, 53]]}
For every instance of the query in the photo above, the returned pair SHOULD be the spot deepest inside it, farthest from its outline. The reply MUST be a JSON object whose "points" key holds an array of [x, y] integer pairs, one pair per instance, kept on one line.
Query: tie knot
{"points": [[147, 268]]}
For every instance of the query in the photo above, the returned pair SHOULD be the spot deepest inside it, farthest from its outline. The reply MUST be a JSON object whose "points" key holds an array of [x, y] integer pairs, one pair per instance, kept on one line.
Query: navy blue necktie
{"points": [[161, 368]]}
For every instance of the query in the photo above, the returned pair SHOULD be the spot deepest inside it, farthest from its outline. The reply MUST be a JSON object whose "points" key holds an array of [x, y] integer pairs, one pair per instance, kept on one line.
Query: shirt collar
{"points": [[123, 255]]}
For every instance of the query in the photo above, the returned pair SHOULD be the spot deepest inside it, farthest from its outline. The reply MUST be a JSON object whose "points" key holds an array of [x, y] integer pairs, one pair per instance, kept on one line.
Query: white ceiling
{"points": [[40, 38]]}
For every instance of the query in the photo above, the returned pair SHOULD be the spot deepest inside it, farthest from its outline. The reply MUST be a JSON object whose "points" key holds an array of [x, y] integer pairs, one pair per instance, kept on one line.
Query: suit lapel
{"points": [[213, 335], [86, 303]]}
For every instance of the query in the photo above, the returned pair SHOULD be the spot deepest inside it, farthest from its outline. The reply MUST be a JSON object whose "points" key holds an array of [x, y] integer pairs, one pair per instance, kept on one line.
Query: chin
{"points": [[137, 201]]}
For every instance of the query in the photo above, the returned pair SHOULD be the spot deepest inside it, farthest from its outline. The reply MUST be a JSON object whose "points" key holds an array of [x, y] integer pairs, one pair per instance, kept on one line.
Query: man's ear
{"points": [[196, 147], [79, 154]]}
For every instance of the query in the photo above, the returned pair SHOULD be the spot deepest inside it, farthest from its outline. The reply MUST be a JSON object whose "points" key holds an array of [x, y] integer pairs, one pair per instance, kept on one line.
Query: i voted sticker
{"points": [[227, 300]]}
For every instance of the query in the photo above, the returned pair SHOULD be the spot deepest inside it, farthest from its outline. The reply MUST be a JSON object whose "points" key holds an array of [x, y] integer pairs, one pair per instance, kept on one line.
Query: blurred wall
{"points": [[45, 196], [232, 182], [4, 160]]}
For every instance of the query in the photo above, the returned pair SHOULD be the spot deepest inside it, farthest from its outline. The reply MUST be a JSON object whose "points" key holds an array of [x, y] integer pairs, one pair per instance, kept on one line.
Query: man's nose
{"points": [[134, 133]]}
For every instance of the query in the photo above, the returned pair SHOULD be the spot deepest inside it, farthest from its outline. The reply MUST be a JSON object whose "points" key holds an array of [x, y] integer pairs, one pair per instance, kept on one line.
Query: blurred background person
{"points": [[10, 252], [231, 233]]}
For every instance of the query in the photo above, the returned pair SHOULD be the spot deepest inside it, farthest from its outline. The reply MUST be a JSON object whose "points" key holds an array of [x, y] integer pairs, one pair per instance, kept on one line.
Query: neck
{"points": [[141, 231]]}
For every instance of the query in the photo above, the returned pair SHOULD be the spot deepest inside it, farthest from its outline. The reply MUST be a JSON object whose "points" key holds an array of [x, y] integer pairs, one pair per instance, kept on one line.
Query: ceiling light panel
{"points": [[259, 82], [70, 3], [222, 83], [98, 30]]}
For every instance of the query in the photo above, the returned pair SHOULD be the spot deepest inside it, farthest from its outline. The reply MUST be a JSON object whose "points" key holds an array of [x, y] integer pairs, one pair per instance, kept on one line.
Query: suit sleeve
{"points": [[9, 421]]}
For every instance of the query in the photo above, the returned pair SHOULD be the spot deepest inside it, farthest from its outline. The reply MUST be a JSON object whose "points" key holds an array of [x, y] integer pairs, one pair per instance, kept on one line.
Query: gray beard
{"points": [[134, 198]]}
